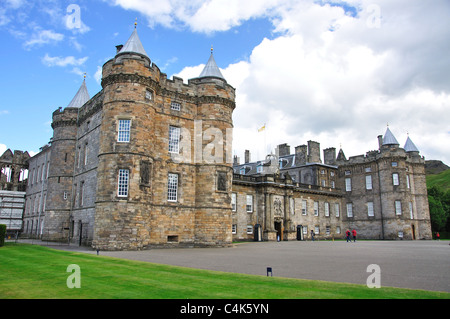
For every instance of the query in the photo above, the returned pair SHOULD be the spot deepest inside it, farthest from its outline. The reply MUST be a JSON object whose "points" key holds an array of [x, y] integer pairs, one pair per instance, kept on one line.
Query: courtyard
{"points": [[402, 264]]}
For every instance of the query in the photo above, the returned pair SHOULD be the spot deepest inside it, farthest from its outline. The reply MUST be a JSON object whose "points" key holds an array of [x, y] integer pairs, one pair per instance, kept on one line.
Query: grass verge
{"points": [[36, 272]]}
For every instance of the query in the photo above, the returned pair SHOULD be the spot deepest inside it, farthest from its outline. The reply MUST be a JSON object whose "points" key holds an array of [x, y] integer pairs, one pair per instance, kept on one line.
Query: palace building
{"points": [[146, 162]]}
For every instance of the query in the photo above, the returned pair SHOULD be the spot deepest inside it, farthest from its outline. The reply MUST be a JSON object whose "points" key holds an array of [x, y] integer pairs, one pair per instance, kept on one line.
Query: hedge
{"points": [[2, 235]]}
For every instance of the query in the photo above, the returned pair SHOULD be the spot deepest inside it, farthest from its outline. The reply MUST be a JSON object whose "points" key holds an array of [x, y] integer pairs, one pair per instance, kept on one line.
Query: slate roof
{"points": [[409, 146], [134, 45], [211, 69], [81, 97], [389, 138]]}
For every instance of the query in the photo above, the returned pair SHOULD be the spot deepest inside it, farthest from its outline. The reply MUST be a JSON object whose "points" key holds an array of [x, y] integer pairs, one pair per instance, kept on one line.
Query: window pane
{"points": [[174, 139], [370, 208], [369, 182], [349, 210], [395, 179], [348, 184], [249, 203], [172, 188], [124, 131], [124, 175]]}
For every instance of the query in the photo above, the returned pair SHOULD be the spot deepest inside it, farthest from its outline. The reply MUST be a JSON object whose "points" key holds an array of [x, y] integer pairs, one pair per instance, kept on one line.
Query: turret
{"points": [[62, 159]]}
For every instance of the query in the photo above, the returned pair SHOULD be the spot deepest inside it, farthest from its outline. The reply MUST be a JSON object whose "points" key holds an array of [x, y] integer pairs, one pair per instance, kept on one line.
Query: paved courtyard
{"points": [[406, 264]]}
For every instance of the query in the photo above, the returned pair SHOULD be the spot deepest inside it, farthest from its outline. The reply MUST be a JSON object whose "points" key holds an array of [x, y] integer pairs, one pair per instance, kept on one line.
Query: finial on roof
{"points": [[135, 23], [212, 49], [84, 75]]}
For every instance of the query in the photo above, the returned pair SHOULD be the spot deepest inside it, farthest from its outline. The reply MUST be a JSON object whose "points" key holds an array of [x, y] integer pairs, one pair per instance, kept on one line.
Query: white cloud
{"points": [[63, 61], [41, 37], [334, 72], [98, 74], [3, 148]]}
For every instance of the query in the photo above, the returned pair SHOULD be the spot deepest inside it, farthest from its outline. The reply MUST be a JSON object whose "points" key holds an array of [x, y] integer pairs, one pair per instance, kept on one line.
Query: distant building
{"points": [[13, 176], [382, 195]]}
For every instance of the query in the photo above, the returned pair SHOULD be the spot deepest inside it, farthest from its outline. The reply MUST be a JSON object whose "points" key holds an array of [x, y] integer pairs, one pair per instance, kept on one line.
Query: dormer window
{"points": [[259, 168], [242, 171]]}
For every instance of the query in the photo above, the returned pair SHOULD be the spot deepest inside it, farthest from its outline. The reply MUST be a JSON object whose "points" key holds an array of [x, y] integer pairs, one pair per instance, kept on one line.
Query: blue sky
{"points": [[331, 71]]}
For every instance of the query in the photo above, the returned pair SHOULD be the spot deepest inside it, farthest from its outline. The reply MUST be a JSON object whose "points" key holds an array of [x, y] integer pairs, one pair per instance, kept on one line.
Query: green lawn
{"points": [[31, 271]]}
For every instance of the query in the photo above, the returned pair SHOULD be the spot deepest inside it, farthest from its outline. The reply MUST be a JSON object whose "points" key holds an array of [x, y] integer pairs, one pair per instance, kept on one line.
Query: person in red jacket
{"points": [[347, 233], [354, 235]]}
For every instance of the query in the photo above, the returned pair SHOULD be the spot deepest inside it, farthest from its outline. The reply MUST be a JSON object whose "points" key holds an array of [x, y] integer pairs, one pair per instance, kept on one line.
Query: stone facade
{"points": [[167, 183], [382, 195], [147, 162]]}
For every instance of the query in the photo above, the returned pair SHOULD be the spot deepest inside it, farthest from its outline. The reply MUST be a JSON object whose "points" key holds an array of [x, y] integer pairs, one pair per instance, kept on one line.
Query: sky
{"points": [[335, 72]]}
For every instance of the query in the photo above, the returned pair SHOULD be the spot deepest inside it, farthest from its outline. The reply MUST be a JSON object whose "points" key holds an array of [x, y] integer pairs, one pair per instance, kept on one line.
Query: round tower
{"points": [[125, 152], [214, 172]]}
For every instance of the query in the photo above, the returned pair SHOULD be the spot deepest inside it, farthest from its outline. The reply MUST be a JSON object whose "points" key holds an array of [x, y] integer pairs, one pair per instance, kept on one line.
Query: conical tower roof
{"points": [[341, 156], [409, 146], [81, 97], [133, 45], [389, 138], [211, 69]]}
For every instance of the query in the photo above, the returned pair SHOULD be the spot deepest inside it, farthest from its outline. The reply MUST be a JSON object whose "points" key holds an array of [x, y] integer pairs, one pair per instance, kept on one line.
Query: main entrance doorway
{"points": [[279, 228], [413, 230]]}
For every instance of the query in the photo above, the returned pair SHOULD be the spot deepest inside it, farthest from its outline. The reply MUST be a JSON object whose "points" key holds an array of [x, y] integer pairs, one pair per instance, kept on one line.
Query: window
{"points": [[348, 184], [249, 229], [86, 151], [333, 184], [249, 206], [368, 169], [370, 209], [327, 209], [149, 95], [337, 209], [304, 207], [395, 180], [349, 210], [316, 230], [328, 230], [411, 214], [234, 229], [242, 171], [305, 230], [175, 106], [316, 208], [233, 201], [369, 182], [259, 168], [124, 131], [124, 176], [172, 188], [81, 194], [394, 164], [174, 139], [408, 185], [338, 229], [398, 207], [348, 172]]}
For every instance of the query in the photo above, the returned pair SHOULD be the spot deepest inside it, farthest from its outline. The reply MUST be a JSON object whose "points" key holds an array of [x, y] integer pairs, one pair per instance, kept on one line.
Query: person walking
{"points": [[354, 235], [347, 233], [312, 235]]}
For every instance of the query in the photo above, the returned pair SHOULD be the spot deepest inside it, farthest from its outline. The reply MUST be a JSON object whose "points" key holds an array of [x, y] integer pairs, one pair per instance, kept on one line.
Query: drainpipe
{"points": [[381, 202]]}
